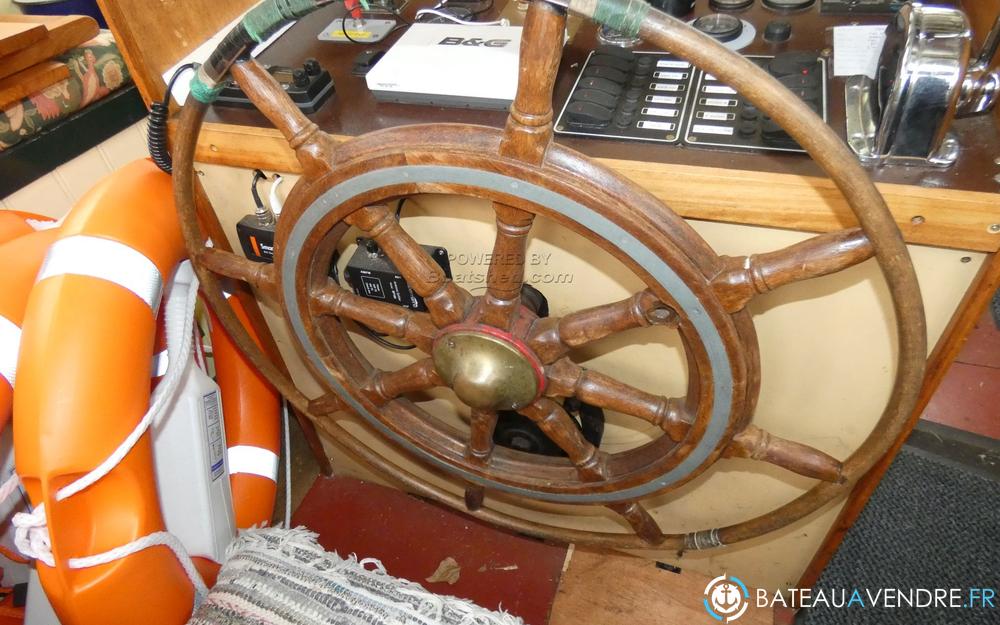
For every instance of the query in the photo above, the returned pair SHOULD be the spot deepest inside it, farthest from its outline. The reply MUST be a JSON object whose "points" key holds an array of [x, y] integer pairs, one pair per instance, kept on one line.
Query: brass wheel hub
{"points": [[488, 369]]}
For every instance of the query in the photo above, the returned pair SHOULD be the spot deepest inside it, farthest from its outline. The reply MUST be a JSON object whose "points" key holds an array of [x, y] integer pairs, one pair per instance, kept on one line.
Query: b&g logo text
{"points": [[474, 41]]}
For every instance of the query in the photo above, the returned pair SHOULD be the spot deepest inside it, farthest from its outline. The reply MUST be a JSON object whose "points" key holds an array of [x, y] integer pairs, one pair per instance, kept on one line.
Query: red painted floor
{"points": [[969, 396], [521, 575], [411, 537]]}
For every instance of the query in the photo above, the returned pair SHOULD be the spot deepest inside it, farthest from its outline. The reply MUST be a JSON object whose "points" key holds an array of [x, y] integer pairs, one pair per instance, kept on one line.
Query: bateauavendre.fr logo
{"points": [[727, 598]]}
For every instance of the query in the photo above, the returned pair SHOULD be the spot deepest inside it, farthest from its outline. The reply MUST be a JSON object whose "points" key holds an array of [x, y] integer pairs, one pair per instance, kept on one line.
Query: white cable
{"points": [[272, 196], [450, 17], [288, 466]]}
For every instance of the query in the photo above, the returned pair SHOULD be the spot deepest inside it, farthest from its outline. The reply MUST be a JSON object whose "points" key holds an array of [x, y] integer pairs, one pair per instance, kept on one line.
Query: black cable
{"points": [[159, 112], [258, 175], [375, 336]]}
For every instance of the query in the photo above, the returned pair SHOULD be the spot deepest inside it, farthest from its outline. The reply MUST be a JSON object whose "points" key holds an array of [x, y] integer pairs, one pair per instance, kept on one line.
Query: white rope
{"points": [[31, 536], [155, 539], [179, 339]]}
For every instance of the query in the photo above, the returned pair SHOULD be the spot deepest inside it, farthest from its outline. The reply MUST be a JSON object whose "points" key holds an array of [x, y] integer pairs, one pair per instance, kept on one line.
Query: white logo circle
{"points": [[726, 598]]}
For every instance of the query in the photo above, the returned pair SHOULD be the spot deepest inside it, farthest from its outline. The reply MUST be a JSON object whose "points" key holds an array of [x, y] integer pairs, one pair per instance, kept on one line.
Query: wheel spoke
{"points": [[261, 276], [758, 444], [506, 272], [555, 422], [387, 385], [529, 126], [389, 319], [747, 276], [566, 378], [642, 522], [314, 148], [479, 451], [326, 405], [446, 301], [552, 339], [481, 436]]}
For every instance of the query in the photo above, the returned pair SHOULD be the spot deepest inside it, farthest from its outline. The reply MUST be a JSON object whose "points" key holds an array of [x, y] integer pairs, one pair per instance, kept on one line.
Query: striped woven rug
{"points": [[284, 576]]}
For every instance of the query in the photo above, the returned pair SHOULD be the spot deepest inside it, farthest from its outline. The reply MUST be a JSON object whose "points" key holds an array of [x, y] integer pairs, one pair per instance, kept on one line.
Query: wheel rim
{"points": [[316, 151]]}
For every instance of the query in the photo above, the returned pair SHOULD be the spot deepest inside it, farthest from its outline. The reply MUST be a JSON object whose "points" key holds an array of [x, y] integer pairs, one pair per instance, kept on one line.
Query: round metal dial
{"points": [[788, 5], [729, 5], [720, 26]]}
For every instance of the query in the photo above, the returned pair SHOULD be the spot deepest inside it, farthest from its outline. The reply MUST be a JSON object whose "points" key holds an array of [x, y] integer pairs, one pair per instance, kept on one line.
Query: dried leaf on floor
{"points": [[448, 571]]}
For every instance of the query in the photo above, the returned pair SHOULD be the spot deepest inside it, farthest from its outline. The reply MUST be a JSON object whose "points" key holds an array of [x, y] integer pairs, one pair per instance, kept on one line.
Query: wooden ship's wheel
{"points": [[495, 353]]}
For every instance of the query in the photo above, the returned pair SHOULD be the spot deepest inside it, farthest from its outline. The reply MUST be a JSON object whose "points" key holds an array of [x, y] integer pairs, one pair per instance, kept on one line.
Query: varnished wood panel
{"points": [[926, 215], [153, 36], [614, 589]]}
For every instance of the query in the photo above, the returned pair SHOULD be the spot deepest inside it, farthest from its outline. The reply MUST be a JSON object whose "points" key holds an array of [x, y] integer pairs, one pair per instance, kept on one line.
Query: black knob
{"points": [[371, 247], [777, 31], [300, 78], [312, 67]]}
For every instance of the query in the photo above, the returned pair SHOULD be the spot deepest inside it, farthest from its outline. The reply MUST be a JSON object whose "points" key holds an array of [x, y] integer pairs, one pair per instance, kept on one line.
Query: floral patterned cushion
{"points": [[96, 68]]}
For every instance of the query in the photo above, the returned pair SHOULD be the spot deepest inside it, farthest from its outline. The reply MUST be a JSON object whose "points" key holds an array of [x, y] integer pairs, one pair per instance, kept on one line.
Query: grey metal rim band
{"points": [[722, 374]]}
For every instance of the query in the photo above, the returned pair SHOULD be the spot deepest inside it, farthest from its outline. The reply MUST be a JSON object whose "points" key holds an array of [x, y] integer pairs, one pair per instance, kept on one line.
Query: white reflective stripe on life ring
{"points": [[105, 259], [10, 341], [253, 460]]}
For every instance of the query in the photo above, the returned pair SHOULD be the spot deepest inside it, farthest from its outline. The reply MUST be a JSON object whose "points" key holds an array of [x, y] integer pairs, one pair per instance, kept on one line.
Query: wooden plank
{"points": [[28, 81], [149, 49], [976, 299], [15, 35], [926, 216], [63, 33], [615, 589]]}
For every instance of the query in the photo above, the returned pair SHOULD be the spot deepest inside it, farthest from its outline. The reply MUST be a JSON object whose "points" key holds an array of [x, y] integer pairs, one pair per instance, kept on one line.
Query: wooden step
{"points": [[15, 36], [62, 33], [25, 82]]}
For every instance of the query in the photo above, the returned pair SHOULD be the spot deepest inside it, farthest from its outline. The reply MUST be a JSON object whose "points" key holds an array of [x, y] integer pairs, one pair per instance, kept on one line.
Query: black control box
{"points": [[308, 86], [371, 274], [256, 240], [655, 96]]}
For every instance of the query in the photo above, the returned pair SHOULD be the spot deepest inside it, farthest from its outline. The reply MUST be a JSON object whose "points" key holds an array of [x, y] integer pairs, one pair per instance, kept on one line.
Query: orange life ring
{"points": [[20, 260], [250, 410], [86, 343], [15, 224]]}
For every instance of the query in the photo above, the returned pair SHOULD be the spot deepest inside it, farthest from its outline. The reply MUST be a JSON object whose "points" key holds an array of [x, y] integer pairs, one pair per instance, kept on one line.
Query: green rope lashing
{"points": [[624, 16], [202, 92], [261, 22]]}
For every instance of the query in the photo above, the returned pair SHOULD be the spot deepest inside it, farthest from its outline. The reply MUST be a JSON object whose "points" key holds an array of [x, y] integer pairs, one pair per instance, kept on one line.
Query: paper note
{"points": [[856, 49]]}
